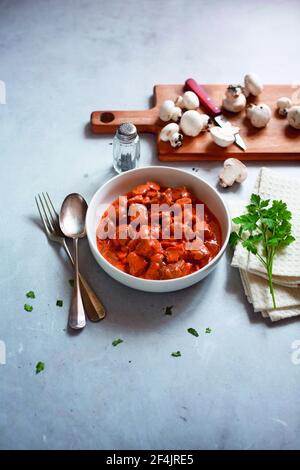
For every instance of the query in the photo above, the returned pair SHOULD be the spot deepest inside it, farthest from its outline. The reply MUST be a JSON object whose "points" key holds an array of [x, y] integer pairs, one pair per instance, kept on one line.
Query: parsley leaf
{"points": [[28, 308], [208, 330], [193, 332], [59, 303], [176, 354], [264, 230], [30, 294], [233, 239], [39, 367], [168, 310], [117, 341]]}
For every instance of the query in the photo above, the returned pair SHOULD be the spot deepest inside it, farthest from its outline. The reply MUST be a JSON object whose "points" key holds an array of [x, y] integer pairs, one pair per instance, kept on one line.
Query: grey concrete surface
{"points": [[236, 388]]}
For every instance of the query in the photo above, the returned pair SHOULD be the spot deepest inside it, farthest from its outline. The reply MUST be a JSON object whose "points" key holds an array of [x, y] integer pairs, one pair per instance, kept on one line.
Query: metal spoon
{"points": [[72, 223]]}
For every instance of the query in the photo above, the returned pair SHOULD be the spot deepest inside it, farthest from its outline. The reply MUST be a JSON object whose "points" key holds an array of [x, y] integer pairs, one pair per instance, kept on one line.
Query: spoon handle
{"points": [[76, 314], [93, 306]]}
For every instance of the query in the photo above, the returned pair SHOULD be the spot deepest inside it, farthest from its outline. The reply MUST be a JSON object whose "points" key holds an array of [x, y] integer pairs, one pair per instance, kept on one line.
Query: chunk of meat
{"points": [[212, 246], [122, 255], [148, 247], [207, 230], [175, 270], [158, 257], [200, 254], [153, 186], [168, 242], [153, 272], [143, 188], [121, 235], [132, 244], [137, 199], [204, 230], [137, 264], [166, 197], [173, 253], [184, 200], [180, 192]]}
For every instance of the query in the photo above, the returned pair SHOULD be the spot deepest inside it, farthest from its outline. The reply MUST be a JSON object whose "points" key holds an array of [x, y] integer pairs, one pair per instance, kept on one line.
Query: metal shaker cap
{"points": [[127, 132]]}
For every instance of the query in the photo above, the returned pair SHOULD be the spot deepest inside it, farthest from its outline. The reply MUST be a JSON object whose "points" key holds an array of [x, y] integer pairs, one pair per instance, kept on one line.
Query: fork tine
{"points": [[49, 223], [43, 219], [54, 215], [52, 206], [49, 212]]}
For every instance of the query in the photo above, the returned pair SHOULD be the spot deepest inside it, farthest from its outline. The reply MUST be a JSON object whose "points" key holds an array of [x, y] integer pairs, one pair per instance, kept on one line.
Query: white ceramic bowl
{"points": [[166, 176]]}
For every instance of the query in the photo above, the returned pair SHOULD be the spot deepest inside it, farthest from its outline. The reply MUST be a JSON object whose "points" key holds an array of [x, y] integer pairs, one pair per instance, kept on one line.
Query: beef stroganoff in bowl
{"points": [[157, 229]]}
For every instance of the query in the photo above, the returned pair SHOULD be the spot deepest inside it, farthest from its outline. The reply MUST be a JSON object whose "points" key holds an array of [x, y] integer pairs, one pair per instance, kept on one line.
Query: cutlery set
{"points": [[70, 223]]}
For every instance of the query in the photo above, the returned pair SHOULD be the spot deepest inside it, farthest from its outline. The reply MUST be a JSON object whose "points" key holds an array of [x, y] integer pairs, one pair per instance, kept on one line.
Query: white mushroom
{"points": [[224, 136], [293, 116], [259, 114], [189, 100], [171, 133], [283, 104], [176, 139], [168, 111], [233, 92], [192, 123], [234, 99], [179, 102], [177, 113], [234, 171], [252, 85]]}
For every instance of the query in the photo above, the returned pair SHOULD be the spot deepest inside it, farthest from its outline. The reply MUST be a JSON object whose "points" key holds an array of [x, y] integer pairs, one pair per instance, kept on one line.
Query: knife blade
{"points": [[212, 109]]}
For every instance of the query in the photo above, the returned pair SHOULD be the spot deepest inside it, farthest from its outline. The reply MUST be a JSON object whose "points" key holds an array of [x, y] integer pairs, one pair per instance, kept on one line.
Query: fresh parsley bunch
{"points": [[267, 224]]}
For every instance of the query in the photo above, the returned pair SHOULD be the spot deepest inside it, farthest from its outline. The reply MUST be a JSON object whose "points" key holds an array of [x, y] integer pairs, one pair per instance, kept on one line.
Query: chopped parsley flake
{"points": [[117, 341], [28, 308], [59, 303], [168, 310], [193, 332], [208, 330], [30, 294], [39, 367], [176, 354], [71, 282]]}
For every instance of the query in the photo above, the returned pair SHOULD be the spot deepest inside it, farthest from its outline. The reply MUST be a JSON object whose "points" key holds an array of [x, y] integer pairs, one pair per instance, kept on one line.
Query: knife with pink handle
{"points": [[211, 109]]}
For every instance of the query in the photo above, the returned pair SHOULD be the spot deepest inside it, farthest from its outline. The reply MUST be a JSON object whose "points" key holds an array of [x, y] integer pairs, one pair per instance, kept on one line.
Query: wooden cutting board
{"points": [[277, 141]]}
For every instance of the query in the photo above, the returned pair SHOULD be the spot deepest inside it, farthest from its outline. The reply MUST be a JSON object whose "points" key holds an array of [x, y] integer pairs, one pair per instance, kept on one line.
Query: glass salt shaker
{"points": [[126, 148]]}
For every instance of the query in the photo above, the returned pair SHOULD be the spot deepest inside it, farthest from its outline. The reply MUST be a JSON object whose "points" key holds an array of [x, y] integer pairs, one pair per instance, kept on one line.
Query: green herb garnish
{"points": [[193, 332], [30, 294], [267, 224], [176, 354], [207, 330], [28, 308], [39, 367], [117, 341], [59, 303], [71, 282], [168, 310]]}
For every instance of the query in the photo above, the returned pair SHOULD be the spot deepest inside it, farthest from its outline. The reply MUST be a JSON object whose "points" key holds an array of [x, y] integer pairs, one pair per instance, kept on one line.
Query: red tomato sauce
{"points": [[158, 258]]}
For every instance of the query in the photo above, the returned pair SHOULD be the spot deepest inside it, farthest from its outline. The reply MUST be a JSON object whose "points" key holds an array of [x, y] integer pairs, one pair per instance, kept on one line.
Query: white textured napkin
{"points": [[286, 269]]}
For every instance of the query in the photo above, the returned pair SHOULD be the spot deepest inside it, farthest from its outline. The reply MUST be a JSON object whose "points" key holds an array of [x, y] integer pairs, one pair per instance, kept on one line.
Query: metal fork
{"points": [[93, 307]]}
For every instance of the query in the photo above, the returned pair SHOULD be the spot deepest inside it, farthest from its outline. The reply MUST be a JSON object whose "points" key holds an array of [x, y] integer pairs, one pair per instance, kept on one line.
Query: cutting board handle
{"points": [[107, 122]]}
